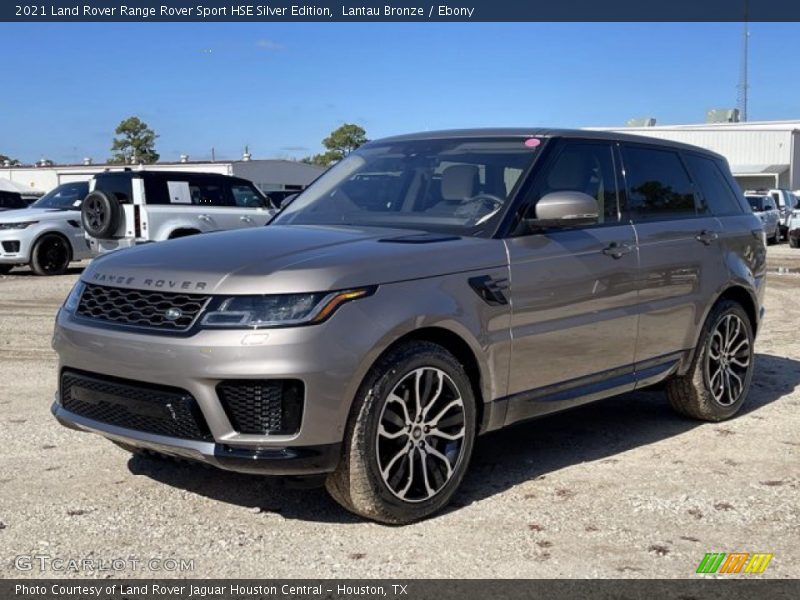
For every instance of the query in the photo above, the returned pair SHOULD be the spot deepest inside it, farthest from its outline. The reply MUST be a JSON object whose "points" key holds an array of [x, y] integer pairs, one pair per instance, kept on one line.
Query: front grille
{"points": [[168, 311], [264, 406], [146, 407]]}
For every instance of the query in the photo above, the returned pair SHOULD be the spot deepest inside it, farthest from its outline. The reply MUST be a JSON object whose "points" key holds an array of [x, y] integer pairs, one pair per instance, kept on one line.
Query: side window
{"points": [[658, 184], [716, 197], [777, 197], [208, 193], [581, 167], [245, 196]]}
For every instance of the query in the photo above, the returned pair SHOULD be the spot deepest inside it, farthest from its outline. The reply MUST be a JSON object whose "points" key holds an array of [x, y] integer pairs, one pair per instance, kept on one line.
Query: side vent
{"points": [[490, 289]]}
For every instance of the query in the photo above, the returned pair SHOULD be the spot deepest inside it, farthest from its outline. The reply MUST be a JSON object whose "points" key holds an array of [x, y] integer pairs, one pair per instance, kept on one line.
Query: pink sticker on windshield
{"points": [[532, 142]]}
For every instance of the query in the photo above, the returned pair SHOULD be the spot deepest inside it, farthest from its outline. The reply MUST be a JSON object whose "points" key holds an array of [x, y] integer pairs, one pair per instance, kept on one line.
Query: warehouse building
{"points": [[762, 154], [268, 175]]}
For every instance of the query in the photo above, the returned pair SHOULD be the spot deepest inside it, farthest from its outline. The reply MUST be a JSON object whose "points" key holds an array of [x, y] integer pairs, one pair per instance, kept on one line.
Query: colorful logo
{"points": [[735, 562]]}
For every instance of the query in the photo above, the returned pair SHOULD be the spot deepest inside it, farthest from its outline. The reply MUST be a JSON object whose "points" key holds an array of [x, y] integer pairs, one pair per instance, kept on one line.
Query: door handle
{"points": [[707, 236], [205, 218], [616, 250], [246, 219]]}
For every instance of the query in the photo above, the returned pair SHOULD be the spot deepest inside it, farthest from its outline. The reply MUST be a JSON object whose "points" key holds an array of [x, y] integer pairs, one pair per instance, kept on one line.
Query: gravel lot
{"points": [[621, 488]]}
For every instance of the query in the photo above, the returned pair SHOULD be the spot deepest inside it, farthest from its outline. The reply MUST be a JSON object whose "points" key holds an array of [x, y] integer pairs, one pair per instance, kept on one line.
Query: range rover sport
{"points": [[427, 289]]}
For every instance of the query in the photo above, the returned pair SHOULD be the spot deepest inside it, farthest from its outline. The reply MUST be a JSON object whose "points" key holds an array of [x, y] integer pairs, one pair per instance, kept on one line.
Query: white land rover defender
{"points": [[126, 208]]}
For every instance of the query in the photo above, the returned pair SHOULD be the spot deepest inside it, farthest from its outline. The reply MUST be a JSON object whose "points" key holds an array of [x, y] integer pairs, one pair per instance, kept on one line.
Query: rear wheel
{"points": [[5, 269], [51, 255], [794, 242], [410, 438], [717, 383]]}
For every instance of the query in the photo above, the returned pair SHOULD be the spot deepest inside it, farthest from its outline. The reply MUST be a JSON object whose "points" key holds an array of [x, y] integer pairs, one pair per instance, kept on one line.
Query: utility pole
{"points": [[742, 88]]}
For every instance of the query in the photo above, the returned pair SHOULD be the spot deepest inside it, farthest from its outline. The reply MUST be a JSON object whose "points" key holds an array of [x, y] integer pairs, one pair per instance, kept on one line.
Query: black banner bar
{"points": [[732, 588], [399, 10]]}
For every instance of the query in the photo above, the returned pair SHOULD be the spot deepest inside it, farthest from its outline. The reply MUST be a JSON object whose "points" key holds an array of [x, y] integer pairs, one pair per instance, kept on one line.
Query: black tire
{"points": [[100, 215], [695, 394], [794, 242], [51, 255], [5, 269], [359, 483]]}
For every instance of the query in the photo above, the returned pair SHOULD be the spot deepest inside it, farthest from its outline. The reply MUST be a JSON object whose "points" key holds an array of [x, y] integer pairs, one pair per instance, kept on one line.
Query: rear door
{"points": [[574, 296], [679, 252]]}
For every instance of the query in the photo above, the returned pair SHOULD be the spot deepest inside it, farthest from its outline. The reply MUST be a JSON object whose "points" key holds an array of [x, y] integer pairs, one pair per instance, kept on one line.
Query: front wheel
{"points": [[794, 242], [51, 255], [5, 269], [716, 385], [410, 438]]}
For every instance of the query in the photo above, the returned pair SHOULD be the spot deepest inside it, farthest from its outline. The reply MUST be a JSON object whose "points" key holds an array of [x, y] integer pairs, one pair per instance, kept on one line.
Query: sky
{"points": [[280, 88]]}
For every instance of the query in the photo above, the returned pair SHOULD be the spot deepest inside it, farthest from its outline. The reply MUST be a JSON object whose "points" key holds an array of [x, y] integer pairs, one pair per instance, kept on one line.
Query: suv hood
{"points": [[280, 259], [17, 215]]}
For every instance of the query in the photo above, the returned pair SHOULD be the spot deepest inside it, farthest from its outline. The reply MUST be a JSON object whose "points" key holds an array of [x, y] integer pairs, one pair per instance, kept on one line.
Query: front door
{"points": [[574, 291]]}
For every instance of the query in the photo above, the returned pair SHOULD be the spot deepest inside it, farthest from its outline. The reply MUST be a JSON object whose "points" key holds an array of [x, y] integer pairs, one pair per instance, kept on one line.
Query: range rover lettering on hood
{"points": [[169, 284]]}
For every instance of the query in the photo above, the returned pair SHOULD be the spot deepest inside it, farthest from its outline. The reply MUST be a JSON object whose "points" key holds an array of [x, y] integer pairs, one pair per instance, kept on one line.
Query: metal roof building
{"points": [[268, 175], [762, 154]]}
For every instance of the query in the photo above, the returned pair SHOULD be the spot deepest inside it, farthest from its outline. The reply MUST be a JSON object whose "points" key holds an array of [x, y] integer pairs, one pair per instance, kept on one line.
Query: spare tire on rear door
{"points": [[100, 214]]}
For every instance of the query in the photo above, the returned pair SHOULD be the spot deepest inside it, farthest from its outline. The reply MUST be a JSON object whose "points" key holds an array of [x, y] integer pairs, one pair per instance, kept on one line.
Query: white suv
{"points": [[47, 235], [126, 208], [786, 202]]}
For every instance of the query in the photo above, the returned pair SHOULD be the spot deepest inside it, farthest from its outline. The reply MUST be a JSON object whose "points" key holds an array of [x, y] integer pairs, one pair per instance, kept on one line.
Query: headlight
{"points": [[20, 225], [279, 310], [71, 303]]}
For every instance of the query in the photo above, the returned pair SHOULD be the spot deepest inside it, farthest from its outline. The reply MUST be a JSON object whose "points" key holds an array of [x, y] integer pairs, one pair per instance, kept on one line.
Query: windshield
{"points": [[756, 203], [64, 196], [456, 185]]}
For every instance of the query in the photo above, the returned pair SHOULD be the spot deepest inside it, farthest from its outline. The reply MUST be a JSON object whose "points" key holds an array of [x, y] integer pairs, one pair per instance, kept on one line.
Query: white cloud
{"points": [[265, 44]]}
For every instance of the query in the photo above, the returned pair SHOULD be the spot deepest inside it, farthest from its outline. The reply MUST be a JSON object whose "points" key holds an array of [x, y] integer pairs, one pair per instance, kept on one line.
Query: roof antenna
{"points": [[741, 99]]}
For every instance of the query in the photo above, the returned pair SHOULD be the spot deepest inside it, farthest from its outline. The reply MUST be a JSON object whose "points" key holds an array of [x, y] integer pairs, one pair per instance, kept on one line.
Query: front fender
{"points": [[448, 303]]}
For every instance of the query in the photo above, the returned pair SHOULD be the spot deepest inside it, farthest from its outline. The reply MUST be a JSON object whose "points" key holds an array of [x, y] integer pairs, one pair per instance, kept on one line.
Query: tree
{"points": [[4, 158], [341, 142], [136, 142], [324, 159], [345, 139]]}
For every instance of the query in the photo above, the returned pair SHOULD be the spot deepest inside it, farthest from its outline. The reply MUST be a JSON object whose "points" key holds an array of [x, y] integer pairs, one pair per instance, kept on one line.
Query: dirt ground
{"points": [[621, 488]]}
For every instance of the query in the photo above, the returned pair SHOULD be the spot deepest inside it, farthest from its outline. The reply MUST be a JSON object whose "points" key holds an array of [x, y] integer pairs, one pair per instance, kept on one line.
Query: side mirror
{"points": [[566, 209]]}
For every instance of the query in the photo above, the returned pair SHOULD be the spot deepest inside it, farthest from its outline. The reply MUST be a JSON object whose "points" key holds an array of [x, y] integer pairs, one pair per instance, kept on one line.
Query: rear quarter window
{"points": [[715, 194]]}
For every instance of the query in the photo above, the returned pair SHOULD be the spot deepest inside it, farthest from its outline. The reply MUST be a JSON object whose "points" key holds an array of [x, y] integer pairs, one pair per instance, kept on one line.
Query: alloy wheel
{"points": [[420, 437], [728, 360], [54, 255], [95, 214]]}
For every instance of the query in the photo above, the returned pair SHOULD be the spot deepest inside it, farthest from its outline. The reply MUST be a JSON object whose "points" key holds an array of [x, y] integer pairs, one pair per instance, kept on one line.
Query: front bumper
{"points": [[305, 460], [15, 246], [330, 359]]}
